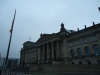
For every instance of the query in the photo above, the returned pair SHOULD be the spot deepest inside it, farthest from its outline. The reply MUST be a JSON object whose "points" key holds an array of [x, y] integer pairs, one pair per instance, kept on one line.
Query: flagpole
{"points": [[6, 60]]}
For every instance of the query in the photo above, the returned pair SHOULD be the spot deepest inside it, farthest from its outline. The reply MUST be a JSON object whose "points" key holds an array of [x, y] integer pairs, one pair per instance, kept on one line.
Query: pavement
{"points": [[48, 73], [44, 73]]}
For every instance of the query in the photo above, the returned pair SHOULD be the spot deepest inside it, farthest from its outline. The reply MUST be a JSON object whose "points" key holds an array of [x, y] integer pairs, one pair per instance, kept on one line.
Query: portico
{"points": [[48, 51]]}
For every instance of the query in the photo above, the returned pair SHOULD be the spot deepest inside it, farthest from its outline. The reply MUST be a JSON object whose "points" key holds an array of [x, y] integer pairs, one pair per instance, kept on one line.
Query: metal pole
{"points": [[6, 60]]}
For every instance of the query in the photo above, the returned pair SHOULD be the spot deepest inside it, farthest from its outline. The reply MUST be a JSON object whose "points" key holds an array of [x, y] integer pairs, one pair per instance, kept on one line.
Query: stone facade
{"points": [[64, 47], [28, 54]]}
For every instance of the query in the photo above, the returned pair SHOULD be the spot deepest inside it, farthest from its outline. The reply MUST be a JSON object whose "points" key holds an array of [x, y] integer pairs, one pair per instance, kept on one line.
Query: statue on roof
{"points": [[41, 34], [62, 27]]}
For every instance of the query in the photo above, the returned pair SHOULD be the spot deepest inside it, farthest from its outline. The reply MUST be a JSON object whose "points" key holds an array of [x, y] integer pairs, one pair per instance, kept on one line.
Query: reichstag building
{"points": [[81, 47]]}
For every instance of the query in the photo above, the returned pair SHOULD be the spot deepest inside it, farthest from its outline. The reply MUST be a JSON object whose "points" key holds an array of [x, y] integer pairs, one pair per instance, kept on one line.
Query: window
{"points": [[97, 50], [80, 62], [70, 44], [72, 53], [28, 55], [84, 40], [87, 50], [73, 63], [93, 38], [98, 61], [99, 34], [32, 54], [79, 52], [89, 62], [77, 42]]}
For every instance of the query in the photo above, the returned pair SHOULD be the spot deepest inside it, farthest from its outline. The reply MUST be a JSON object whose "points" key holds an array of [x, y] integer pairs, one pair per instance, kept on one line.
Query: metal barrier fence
{"points": [[16, 74]]}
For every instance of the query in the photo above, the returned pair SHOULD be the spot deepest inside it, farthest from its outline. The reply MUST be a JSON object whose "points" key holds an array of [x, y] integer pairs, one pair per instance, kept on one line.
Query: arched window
{"points": [[72, 53], [77, 42], [79, 52], [0, 72], [73, 63], [98, 61], [85, 40], [87, 50], [80, 62], [89, 62], [97, 50], [93, 38]]}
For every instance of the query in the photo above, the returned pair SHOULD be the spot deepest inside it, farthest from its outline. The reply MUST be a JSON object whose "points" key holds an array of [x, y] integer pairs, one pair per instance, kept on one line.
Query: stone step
{"points": [[66, 68]]}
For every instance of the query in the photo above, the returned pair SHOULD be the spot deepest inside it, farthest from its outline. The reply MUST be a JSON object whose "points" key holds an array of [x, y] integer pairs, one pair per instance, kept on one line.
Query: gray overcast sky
{"points": [[42, 16]]}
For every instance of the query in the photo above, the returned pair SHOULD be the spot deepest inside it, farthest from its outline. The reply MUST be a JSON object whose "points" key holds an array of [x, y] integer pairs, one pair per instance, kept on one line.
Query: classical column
{"points": [[76, 53], [26, 57], [43, 52], [52, 50], [97, 36], [20, 58], [57, 51], [48, 52], [29, 57], [38, 54], [83, 50], [91, 48]]}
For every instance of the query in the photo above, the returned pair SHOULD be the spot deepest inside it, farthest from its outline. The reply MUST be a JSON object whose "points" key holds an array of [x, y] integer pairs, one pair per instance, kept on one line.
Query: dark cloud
{"points": [[42, 16]]}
